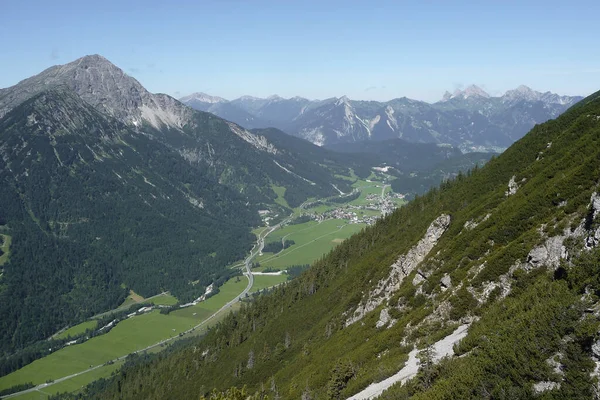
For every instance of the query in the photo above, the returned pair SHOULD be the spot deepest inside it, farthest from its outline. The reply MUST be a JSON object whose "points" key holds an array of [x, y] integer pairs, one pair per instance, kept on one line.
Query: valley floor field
{"points": [[131, 335], [312, 240]]}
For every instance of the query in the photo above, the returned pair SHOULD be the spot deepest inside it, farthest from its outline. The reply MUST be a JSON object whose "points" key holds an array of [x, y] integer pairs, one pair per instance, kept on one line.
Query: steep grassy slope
{"points": [[509, 251]]}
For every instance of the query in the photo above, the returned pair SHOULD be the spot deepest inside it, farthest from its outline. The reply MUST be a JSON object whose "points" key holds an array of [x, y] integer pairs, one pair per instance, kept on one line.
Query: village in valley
{"points": [[355, 214]]}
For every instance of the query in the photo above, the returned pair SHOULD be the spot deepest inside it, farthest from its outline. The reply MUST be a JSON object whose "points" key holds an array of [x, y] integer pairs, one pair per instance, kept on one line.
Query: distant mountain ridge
{"points": [[470, 119]]}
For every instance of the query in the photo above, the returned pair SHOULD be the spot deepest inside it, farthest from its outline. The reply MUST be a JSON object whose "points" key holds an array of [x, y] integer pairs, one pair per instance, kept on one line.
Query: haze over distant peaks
{"points": [[526, 93], [470, 118], [203, 97], [470, 91]]}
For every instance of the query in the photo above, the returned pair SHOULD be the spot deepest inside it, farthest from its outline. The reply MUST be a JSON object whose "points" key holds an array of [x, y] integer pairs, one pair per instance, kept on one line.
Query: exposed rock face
{"points": [[596, 349], [385, 319], [541, 387], [419, 277], [504, 283], [471, 224], [595, 203], [107, 88], [512, 187], [405, 264], [549, 254], [260, 142], [593, 238], [446, 282], [553, 250]]}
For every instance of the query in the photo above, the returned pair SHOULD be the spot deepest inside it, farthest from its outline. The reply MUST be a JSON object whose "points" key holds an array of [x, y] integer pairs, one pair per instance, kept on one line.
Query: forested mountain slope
{"points": [[92, 205], [233, 156], [509, 254]]}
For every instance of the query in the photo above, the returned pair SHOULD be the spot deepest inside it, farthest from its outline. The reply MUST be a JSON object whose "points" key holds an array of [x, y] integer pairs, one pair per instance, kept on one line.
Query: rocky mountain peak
{"points": [[342, 100], [524, 89], [104, 86], [474, 90], [522, 93], [470, 91], [203, 98]]}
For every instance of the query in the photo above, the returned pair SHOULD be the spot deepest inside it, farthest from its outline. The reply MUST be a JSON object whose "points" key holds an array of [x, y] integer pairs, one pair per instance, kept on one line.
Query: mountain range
{"points": [[469, 119], [486, 287]]}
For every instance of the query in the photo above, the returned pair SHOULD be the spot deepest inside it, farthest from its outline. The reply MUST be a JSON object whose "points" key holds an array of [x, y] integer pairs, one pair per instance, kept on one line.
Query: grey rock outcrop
{"points": [[596, 349], [512, 187], [593, 238], [385, 319], [549, 254], [399, 270], [446, 282], [544, 386]]}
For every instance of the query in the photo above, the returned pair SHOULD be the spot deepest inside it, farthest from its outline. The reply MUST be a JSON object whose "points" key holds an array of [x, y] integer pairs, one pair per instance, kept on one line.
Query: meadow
{"points": [[77, 329], [312, 240], [266, 281], [127, 336]]}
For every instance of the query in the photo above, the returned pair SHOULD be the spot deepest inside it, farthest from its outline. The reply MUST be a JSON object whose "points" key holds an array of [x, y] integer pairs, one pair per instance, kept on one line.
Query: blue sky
{"points": [[316, 49]]}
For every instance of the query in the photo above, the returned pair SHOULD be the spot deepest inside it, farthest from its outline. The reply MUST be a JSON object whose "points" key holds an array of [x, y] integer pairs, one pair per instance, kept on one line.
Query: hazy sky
{"points": [[316, 49]]}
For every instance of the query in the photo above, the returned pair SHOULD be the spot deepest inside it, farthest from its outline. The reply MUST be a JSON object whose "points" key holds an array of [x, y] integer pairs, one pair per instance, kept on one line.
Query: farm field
{"points": [[76, 383], [77, 329], [280, 191], [128, 336], [163, 300], [132, 298], [372, 188], [312, 241], [266, 281]]}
